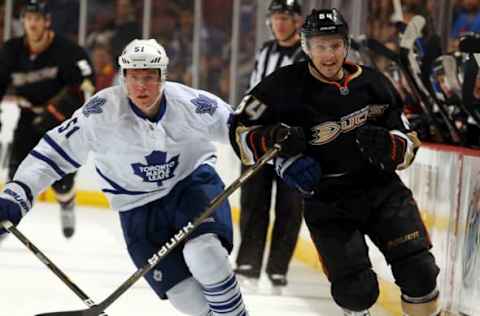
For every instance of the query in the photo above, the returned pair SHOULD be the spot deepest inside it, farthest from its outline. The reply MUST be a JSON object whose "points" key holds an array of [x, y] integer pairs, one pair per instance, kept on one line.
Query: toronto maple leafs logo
{"points": [[204, 104], [93, 106], [157, 169]]}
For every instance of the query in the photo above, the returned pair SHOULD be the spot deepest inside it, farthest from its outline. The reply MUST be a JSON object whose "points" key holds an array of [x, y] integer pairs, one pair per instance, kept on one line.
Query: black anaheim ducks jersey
{"points": [[328, 112], [39, 78]]}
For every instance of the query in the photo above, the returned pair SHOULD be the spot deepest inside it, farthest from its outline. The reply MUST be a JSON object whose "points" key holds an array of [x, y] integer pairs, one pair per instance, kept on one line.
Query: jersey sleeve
{"points": [[61, 151], [393, 117], [78, 68], [395, 120], [78, 78], [255, 74], [255, 110]]}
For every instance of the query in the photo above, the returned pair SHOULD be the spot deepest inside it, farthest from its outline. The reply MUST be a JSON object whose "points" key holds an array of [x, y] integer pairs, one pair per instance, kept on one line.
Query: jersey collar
{"points": [[160, 114]]}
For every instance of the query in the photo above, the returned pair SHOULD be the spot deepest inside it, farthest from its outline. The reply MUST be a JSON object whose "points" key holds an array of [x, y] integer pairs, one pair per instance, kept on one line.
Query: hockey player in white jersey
{"points": [[152, 144]]}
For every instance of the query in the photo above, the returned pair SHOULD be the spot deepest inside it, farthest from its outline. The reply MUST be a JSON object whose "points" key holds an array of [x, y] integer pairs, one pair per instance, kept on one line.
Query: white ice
{"points": [[97, 261]]}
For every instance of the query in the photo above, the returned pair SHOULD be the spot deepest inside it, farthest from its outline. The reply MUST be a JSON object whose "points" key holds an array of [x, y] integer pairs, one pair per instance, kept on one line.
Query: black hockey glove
{"points": [[381, 148], [53, 115], [291, 139], [47, 120]]}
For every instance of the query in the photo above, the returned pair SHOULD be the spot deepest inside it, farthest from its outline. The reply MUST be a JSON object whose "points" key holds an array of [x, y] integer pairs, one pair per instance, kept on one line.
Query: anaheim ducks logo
{"points": [[328, 131], [325, 132]]}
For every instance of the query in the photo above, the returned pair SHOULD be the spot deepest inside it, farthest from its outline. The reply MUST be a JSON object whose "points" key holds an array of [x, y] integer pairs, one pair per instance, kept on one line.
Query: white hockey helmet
{"points": [[144, 54]]}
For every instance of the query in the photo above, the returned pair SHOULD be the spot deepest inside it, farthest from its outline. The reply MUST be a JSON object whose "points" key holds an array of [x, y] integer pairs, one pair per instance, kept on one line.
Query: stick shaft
{"points": [[50, 265], [189, 228]]}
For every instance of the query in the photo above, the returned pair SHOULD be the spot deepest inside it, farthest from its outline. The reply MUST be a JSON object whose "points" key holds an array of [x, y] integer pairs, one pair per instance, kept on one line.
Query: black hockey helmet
{"points": [[36, 6], [324, 22], [288, 6]]}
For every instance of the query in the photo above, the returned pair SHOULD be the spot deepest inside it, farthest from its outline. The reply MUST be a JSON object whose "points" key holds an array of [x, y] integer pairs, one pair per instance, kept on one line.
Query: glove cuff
{"points": [[282, 164], [19, 194], [412, 144]]}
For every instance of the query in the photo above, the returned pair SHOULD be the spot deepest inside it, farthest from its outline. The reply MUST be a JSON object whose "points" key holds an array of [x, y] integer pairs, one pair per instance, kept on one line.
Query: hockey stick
{"points": [[397, 11], [181, 235], [380, 49], [44, 259], [450, 67], [412, 32], [359, 46]]}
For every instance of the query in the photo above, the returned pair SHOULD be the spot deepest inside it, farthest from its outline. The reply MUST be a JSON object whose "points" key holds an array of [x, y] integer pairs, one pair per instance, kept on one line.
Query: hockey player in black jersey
{"points": [[284, 18], [343, 136], [50, 77]]}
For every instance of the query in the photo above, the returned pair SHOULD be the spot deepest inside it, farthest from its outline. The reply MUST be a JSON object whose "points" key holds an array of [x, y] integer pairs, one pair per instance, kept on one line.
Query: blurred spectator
{"points": [[181, 46], [126, 27], [468, 20], [100, 23], [379, 21], [476, 89], [66, 17], [163, 27], [102, 62]]}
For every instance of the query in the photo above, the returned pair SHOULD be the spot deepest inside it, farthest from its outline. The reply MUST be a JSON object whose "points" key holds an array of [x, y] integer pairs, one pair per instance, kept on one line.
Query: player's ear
{"points": [[298, 21], [48, 21]]}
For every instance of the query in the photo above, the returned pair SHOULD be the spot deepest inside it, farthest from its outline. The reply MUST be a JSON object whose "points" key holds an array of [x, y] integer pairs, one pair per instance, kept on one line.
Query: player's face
{"points": [[328, 54], [36, 26], [143, 87], [283, 25]]}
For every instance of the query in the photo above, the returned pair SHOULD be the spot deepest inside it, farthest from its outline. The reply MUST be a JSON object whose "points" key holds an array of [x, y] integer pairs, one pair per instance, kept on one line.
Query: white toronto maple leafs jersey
{"points": [[137, 160]]}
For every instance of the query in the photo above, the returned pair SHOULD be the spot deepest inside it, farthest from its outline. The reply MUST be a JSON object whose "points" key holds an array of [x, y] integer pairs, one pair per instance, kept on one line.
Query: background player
{"points": [[50, 77], [284, 18]]}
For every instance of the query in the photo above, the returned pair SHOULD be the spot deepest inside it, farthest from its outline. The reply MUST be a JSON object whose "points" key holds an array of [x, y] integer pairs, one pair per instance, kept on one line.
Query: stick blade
{"points": [[93, 311]]}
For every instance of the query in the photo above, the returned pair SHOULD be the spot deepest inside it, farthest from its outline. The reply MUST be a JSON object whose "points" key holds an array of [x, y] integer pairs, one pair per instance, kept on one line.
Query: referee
{"points": [[284, 19]]}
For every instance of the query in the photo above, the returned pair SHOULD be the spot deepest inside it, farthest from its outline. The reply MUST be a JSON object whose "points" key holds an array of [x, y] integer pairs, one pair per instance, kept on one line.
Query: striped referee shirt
{"points": [[273, 56]]}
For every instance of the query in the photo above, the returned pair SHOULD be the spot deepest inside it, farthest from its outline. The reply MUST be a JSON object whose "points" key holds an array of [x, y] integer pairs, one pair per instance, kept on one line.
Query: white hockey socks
{"points": [[208, 262], [187, 297]]}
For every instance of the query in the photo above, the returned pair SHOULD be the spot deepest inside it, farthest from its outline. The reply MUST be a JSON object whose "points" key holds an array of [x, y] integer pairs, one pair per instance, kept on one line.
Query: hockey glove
{"points": [[299, 172], [387, 150], [47, 120], [61, 108], [291, 139], [15, 202]]}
